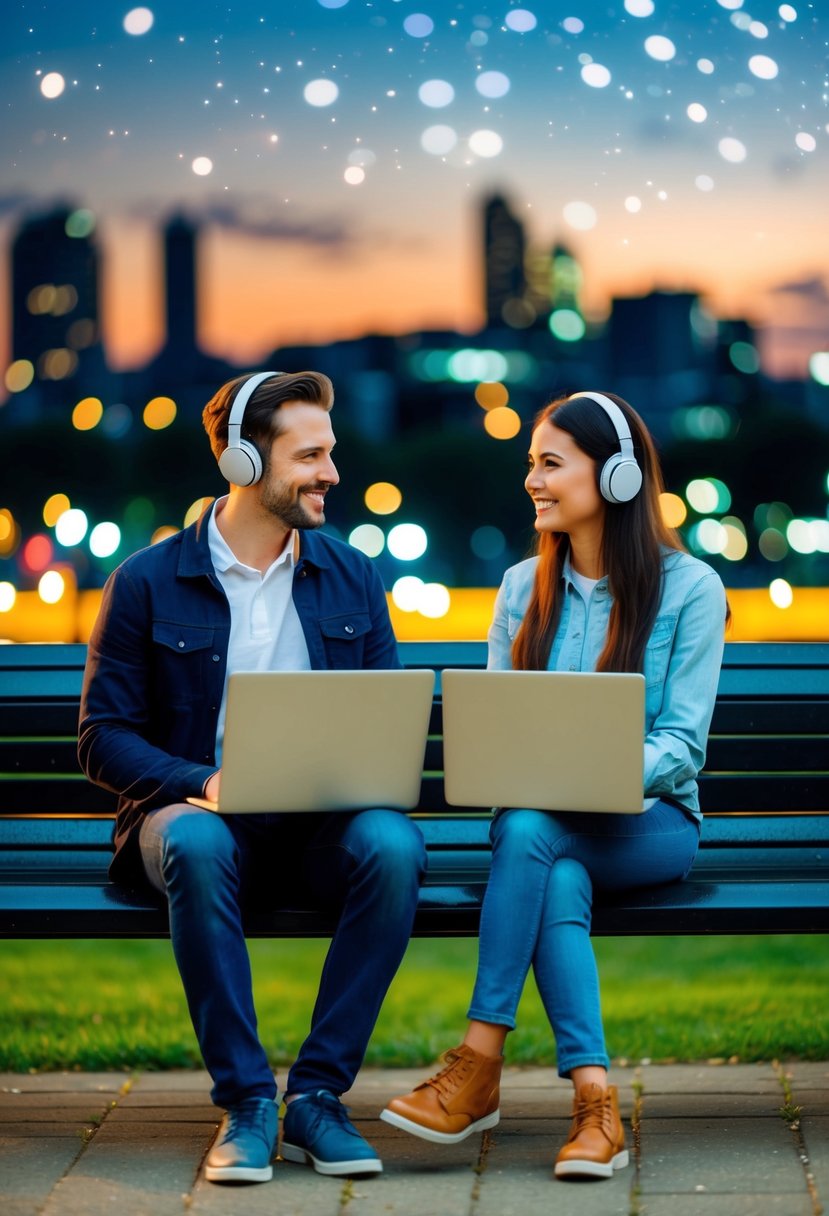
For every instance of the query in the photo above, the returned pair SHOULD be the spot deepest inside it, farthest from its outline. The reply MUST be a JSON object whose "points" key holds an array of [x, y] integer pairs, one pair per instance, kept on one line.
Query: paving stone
{"points": [[731, 1205], [708, 1078], [728, 1156], [709, 1106], [166, 1115], [62, 1082], [31, 1168], [816, 1140], [518, 1181], [292, 1192]]}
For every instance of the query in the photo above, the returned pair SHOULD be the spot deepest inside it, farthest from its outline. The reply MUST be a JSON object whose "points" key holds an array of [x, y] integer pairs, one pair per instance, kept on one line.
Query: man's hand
{"points": [[211, 790]]}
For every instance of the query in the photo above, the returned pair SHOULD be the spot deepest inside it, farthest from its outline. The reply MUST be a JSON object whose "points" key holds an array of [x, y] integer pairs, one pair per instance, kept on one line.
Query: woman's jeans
{"points": [[368, 865], [537, 910]]}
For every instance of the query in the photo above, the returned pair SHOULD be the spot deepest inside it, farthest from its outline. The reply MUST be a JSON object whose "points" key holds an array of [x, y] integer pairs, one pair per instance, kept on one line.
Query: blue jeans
{"points": [[537, 911], [368, 865]]}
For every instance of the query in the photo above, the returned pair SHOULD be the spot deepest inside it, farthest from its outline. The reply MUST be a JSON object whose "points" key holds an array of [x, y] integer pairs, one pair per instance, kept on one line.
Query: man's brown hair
{"points": [[262, 421]]}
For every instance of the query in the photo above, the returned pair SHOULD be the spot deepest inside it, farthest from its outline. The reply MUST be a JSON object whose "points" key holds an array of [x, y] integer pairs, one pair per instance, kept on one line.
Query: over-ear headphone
{"points": [[240, 462], [621, 478]]}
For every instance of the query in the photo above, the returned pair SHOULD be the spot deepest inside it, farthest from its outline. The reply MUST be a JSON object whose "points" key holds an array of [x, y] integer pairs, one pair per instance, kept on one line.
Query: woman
{"points": [[611, 589]]}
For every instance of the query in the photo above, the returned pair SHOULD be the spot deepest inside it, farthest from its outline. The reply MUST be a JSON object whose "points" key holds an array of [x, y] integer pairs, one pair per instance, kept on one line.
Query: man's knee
{"points": [[191, 840], [388, 841]]}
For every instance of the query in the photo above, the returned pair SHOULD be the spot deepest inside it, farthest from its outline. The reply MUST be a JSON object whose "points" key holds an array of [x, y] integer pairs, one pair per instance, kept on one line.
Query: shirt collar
{"points": [[225, 559]]}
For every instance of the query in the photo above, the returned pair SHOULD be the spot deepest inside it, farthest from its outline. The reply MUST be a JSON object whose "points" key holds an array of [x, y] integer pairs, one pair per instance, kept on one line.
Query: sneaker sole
{"points": [[591, 1169], [238, 1173], [301, 1156], [426, 1133]]}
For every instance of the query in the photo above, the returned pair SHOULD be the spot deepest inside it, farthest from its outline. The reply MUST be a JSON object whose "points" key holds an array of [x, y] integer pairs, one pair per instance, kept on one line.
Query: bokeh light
{"points": [[321, 93], [732, 150], [487, 542], [202, 166], [8, 596], [51, 587], [19, 375], [567, 325], [772, 545], [434, 601], [819, 366], [9, 533], [407, 542], [492, 84], [502, 422], [368, 538], [491, 394], [159, 413], [54, 507], [674, 511], [196, 510], [436, 93], [596, 75], [37, 553], [485, 143], [71, 527], [87, 414], [639, 8], [660, 48], [708, 495], [418, 25], [763, 67], [406, 592], [780, 593], [520, 20], [383, 498], [52, 85], [104, 539], [438, 140], [580, 216], [467, 365], [138, 21]]}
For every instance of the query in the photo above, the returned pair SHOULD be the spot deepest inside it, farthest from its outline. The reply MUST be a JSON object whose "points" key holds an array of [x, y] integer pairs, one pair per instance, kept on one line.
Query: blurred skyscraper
{"points": [[181, 286], [55, 268], [504, 249]]}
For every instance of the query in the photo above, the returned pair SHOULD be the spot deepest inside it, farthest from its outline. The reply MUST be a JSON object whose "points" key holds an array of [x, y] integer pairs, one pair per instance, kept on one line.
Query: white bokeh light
{"points": [[780, 593], [434, 601], [104, 539], [787, 12], [8, 596], [438, 140], [659, 47], [705, 66], [639, 8], [436, 93], [596, 75], [52, 85], [202, 166], [492, 84], [354, 175], [697, 112], [71, 527], [573, 25], [407, 542], [138, 21], [763, 67], [805, 141], [368, 538], [732, 150], [418, 25], [703, 182], [633, 204], [581, 216], [51, 587], [485, 143], [520, 20], [321, 92]]}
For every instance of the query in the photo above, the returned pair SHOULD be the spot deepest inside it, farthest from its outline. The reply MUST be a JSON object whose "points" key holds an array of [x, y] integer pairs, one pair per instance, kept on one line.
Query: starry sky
{"points": [[337, 153]]}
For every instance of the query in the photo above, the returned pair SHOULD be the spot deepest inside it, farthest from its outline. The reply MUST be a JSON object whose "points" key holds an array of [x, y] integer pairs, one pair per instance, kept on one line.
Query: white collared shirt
{"points": [[265, 630]]}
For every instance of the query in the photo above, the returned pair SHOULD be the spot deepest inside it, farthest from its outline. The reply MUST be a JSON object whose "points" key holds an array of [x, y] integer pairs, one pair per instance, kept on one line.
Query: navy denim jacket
{"points": [[156, 665]]}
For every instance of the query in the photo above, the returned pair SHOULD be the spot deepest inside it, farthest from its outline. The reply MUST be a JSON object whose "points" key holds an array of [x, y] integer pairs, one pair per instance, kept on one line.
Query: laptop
{"points": [[554, 741], [299, 741]]}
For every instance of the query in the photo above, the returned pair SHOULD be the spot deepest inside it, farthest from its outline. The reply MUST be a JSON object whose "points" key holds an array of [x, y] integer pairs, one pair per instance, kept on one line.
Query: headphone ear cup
{"points": [[242, 465], [620, 479]]}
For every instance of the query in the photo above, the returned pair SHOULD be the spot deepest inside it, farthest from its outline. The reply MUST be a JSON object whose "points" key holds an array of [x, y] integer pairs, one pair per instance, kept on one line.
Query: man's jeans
{"points": [[368, 865], [537, 911]]}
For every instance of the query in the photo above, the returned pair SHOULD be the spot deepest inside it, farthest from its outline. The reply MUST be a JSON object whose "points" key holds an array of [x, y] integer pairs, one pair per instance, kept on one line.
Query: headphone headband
{"points": [[243, 396], [620, 478]]}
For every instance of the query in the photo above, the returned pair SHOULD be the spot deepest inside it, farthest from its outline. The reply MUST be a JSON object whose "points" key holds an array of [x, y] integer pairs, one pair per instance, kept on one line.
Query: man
{"points": [[249, 586]]}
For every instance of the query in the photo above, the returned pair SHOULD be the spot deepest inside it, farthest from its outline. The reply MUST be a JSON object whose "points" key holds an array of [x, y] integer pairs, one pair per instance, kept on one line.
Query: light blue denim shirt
{"points": [[682, 659]]}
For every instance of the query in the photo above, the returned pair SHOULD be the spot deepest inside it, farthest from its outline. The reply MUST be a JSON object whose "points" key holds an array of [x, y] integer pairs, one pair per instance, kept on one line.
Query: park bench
{"points": [[763, 865]]}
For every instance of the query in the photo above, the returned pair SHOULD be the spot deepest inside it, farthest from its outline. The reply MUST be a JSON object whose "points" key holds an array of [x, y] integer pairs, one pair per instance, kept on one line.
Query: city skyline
{"points": [[699, 165]]}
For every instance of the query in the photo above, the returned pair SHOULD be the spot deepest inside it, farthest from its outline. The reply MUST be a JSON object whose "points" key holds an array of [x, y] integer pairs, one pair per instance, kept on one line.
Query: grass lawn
{"points": [[118, 1005]]}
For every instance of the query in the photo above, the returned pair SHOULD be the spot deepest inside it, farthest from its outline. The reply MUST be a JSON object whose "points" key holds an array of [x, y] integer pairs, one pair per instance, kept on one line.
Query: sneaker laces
{"points": [[248, 1117], [327, 1105]]}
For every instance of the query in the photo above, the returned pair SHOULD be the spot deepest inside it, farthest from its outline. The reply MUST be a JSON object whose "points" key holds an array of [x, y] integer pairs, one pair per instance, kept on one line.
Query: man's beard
{"points": [[287, 506]]}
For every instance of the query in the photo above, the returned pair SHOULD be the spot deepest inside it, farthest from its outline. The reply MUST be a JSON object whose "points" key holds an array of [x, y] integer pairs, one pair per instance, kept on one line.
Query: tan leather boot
{"points": [[596, 1144], [459, 1100]]}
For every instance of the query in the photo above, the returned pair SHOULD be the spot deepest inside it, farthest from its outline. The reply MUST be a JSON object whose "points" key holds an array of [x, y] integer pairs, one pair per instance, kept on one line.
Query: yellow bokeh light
{"points": [[163, 533], [57, 364], [19, 375], [87, 414], [194, 510], [9, 533], [159, 413], [491, 394], [502, 423], [383, 498], [53, 508], [674, 511]]}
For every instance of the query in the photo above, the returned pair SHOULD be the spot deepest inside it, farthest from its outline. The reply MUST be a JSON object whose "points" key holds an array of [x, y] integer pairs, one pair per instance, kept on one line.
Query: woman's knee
{"points": [[569, 893], [522, 832]]}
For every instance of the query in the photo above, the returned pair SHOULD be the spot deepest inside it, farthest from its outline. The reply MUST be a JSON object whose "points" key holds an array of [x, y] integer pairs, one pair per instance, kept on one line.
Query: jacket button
{"points": [[349, 628], [181, 645], [301, 573], [216, 658]]}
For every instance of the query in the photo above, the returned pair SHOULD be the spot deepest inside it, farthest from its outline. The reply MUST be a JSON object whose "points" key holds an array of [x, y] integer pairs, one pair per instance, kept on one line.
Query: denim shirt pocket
{"points": [[181, 660], [658, 651], [344, 637], [514, 623]]}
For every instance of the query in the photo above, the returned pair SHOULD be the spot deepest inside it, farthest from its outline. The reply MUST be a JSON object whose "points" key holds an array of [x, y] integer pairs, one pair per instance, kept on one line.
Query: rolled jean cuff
{"points": [[597, 1060], [495, 1019]]}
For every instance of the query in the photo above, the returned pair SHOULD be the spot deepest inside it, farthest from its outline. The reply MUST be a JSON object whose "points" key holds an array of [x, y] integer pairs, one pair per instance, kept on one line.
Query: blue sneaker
{"points": [[316, 1131], [246, 1142]]}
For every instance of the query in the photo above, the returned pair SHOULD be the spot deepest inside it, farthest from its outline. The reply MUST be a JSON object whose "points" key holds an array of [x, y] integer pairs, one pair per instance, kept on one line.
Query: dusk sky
{"points": [[338, 152]]}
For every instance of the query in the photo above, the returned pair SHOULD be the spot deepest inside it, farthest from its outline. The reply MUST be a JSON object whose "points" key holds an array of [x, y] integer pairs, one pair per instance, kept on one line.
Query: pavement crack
{"points": [[479, 1169], [791, 1112], [638, 1087]]}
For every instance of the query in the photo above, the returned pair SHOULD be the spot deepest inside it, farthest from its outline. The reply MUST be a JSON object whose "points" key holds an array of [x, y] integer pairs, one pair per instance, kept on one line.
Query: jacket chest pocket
{"points": [[183, 660], [344, 638], [658, 651]]}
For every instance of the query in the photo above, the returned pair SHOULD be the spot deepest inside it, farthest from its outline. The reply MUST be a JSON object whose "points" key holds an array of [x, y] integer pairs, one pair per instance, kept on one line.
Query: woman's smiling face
{"points": [[562, 483]]}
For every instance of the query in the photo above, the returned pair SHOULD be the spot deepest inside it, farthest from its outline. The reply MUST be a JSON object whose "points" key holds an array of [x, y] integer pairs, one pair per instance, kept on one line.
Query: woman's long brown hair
{"points": [[634, 534]]}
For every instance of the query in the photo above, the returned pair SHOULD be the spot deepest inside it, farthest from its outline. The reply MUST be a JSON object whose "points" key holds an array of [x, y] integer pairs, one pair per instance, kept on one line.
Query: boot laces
{"points": [[457, 1069], [591, 1112]]}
